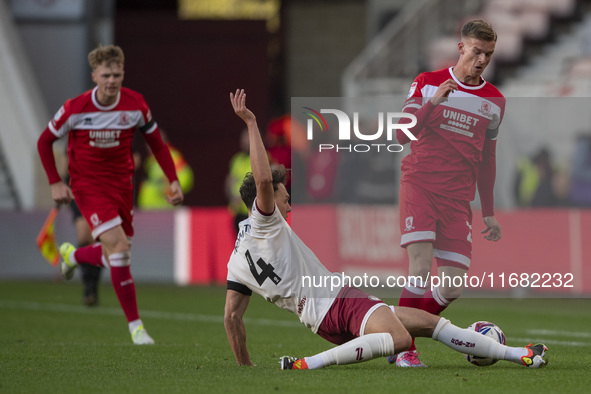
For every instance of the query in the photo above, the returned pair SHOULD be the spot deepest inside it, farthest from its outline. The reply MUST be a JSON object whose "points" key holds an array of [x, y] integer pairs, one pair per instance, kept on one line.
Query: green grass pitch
{"points": [[50, 343]]}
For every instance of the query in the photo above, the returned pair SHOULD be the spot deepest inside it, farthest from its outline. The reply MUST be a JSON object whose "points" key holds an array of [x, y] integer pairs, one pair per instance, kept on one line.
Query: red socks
{"points": [[91, 254], [411, 300], [125, 290], [433, 305], [431, 302]]}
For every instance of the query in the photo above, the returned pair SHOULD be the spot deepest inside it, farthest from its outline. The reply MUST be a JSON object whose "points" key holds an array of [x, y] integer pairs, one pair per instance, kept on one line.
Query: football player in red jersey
{"points": [[100, 124], [458, 116]]}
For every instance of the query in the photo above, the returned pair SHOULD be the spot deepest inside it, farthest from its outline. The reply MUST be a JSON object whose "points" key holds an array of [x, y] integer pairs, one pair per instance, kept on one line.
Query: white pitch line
{"points": [[560, 333], [218, 319], [549, 341], [177, 316]]}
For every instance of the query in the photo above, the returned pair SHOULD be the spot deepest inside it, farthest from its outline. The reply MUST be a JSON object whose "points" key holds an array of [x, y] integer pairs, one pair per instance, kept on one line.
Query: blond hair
{"points": [[479, 29], [106, 54]]}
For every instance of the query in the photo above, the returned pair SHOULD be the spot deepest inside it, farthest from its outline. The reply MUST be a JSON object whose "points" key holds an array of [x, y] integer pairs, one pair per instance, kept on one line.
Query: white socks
{"points": [[474, 343], [514, 354], [371, 346], [359, 349], [135, 324]]}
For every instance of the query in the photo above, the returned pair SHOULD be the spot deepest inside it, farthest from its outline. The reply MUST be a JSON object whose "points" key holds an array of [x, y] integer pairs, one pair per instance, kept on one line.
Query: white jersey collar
{"points": [[463, 85], [102, 107]]}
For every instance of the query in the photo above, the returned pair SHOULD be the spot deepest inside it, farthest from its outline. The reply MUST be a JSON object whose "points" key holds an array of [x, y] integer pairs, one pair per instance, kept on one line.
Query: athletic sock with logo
{"points": [[91, 254], [123, 284], [359, 349]]}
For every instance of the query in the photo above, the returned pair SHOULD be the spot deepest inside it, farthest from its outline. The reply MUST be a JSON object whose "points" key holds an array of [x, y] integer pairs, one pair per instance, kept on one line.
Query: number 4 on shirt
{"points": [[267, 270]]}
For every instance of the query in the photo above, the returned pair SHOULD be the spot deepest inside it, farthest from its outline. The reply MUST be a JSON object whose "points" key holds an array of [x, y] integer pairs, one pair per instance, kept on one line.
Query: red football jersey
{"points": [[99, 141], [445, 158]]}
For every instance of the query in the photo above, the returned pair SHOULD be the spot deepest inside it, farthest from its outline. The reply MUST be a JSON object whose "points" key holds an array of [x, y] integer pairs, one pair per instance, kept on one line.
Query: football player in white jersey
{"points": [[270, 260]]}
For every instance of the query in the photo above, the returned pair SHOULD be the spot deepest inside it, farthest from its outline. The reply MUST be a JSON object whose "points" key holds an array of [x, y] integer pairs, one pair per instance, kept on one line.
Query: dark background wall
{"points": [[186, 70]]}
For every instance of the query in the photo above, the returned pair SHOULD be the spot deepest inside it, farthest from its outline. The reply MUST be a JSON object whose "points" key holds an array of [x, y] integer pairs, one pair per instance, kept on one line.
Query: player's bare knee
{"points": [[419, 269], [121, 246], [431, 322], [402, 340], [420, 257], [230, 318], [451, 293]]}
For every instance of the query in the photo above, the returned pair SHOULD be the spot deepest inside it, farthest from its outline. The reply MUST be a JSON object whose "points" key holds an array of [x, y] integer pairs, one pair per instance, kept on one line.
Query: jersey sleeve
{"points": [[60, 125], [45, 148], [417, 105], [233, 284], [161, 153], [414, 99], [263, 223], [492, 130], [486, 178], [146, 125]]}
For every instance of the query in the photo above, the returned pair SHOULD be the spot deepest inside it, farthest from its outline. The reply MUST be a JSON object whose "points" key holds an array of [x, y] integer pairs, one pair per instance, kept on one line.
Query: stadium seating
{"points": [[23, 114], [522, 24]]}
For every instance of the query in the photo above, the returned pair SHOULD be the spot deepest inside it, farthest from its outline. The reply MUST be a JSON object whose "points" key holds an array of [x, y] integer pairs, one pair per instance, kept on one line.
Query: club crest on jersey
{"points": [[123, 119], [94, 219], [485, 109], [412, 90], [409, 223], [59, 113]]}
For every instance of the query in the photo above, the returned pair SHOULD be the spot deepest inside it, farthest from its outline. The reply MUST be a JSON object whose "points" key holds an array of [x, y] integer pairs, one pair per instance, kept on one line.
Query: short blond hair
{"points": [[479, 29], [106, 54]]}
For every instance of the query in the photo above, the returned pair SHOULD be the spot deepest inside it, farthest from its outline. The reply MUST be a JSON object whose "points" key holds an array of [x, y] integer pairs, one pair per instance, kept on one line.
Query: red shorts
{"points": [[348, 315], [106, 210], [447, 222]]}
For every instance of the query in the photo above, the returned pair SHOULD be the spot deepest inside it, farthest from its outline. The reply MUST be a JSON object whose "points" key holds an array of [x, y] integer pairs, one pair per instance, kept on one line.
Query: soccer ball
{"points": [[490, 330]]}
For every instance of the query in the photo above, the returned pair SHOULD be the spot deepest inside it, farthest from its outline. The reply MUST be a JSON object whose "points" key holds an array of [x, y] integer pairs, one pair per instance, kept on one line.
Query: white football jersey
{"points": [[271, 260]]}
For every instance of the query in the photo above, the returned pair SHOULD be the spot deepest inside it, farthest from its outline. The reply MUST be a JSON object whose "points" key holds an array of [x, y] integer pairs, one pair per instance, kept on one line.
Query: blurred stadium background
{"points": [[185, 56]]}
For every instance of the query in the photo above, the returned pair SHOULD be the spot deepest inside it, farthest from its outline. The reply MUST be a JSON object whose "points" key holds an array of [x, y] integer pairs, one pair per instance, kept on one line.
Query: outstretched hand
{"points": [[493, 228], [443, 91], [61, 193], [238, 100], [175, 195]]}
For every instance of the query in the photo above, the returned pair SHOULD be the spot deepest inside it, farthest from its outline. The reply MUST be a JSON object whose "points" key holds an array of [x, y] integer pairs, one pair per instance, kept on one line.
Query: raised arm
{"points": [[259, 160], [422, 113], [236, 304]]}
